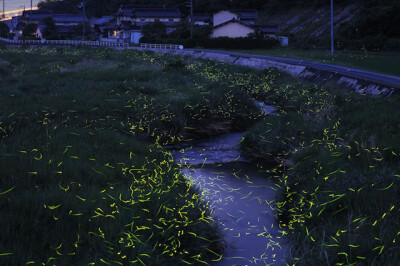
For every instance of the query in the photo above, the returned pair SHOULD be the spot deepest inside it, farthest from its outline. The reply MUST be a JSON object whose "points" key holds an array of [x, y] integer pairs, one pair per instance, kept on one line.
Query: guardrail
{"points": [[65, 42], [161, 46]]}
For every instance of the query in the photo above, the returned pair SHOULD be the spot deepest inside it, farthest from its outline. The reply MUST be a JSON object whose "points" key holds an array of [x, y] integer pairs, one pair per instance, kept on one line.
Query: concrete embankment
{"points": [[360, 81]]}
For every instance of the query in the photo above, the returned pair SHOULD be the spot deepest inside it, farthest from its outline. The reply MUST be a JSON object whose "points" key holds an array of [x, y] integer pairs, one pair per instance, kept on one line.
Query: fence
{"points": [[64, 42], [161, 46], [91, 43]]}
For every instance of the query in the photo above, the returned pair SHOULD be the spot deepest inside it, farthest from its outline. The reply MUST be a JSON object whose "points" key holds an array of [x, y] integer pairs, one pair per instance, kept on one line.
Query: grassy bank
{"points": [[381, 62], [83, 178], [336, 156]]}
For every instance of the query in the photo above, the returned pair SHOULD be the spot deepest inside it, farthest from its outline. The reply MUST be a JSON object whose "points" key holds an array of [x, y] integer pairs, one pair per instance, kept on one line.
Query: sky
{"points": [[17, 4]]}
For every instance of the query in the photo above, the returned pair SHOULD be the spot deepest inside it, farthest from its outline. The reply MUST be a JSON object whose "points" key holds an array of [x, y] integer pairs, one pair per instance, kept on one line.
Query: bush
{"points": [[29, 31], [175, 65], [4, 30]]}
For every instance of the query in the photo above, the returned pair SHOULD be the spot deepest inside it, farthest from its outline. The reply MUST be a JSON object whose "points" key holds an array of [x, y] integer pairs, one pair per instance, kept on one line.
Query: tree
{"points": [[4, 30], [50, 30], [154, 31], [29, 31]]}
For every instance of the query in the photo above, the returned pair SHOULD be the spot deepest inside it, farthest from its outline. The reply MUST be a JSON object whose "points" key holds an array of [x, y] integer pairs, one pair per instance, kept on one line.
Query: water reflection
{"points": [[242, 200]]}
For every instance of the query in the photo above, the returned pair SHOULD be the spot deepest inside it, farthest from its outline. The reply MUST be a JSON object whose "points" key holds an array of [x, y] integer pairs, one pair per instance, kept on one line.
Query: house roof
{"points": [[148, 11], [262, 28], [165, 13], [243, 14], [102, 20], [202, 17], [58, 18], [233, 21], [246, 13]]}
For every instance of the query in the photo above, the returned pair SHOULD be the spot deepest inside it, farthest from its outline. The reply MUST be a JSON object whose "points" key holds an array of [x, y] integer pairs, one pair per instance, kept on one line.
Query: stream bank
{"points": [[241, 198]]}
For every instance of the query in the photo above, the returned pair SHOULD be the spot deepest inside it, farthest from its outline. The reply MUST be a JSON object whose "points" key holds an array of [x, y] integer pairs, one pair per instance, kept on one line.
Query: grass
{"points": [[386, 63], [336, 158], [85, 179], [83, 176]]}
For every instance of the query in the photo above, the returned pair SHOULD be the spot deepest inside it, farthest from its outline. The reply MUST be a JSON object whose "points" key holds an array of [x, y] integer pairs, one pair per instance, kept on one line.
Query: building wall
{"points": [[232, 30], [222, 17], [154, 19]]}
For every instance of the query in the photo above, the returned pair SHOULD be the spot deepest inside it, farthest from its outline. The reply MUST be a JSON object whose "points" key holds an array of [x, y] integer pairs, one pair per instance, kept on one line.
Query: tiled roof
{"points": [[202, 17], [58, 18], [102, 20], [149, 11], [246, 13], [233, 21], [164, 13]]}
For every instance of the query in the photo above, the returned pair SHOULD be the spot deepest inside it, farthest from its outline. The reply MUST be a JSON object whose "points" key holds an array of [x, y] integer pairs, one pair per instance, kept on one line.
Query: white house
{"points": [[232, 29], [246, 16]]}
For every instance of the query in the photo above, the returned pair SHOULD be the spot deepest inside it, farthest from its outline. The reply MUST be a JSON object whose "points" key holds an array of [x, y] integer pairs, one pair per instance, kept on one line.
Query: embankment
{"points": [[363, 82]]}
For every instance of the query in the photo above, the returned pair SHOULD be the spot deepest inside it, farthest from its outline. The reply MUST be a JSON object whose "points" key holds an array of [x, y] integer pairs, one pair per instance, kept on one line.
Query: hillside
{"points": [[358, 25]]}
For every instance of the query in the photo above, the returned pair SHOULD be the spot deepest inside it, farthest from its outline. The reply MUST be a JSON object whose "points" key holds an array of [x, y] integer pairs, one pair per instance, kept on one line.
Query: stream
{"points": [[241, 198]]}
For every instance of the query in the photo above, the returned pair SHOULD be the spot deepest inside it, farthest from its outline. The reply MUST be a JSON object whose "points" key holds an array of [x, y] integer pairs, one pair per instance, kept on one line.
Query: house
{"points": [[100, 25], [131, 19], [246, 16], [67, 25], [202, 19], [232, 29], [241, 23], [37, 16], [141, 15]]}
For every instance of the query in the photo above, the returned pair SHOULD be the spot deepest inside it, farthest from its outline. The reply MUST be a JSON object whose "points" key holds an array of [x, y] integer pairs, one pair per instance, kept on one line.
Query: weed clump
{"points": [[175, 65]]}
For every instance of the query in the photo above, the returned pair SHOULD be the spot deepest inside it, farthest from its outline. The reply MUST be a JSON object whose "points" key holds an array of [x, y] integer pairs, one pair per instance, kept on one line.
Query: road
{"points": [[383, 79]]}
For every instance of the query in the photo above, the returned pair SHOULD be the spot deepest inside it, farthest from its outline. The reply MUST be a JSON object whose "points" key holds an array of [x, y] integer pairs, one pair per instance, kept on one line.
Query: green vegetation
{"points": [[84, 179], [387, 63], [29, 31], [336, 156]]}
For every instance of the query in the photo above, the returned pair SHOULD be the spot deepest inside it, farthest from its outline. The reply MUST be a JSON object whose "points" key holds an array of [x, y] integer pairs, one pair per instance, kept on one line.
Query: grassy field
{"points": [[83, 176], [387, 63]]}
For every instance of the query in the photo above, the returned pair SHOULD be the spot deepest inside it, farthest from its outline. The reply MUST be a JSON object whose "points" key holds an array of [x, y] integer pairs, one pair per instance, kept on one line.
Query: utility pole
{"points": [[4, 11], [190, 4], [84, 19], [332, 35], [191, 19], [31, 5], [83, 6]]}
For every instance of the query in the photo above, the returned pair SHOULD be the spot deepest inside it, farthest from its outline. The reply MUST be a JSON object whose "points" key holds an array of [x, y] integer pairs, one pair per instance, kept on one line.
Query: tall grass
{"points": [[83, 178], [336, 156]]}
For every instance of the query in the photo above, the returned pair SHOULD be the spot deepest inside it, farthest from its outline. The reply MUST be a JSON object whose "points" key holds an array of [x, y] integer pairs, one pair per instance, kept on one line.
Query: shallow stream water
{"points": [[241, 197]]}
